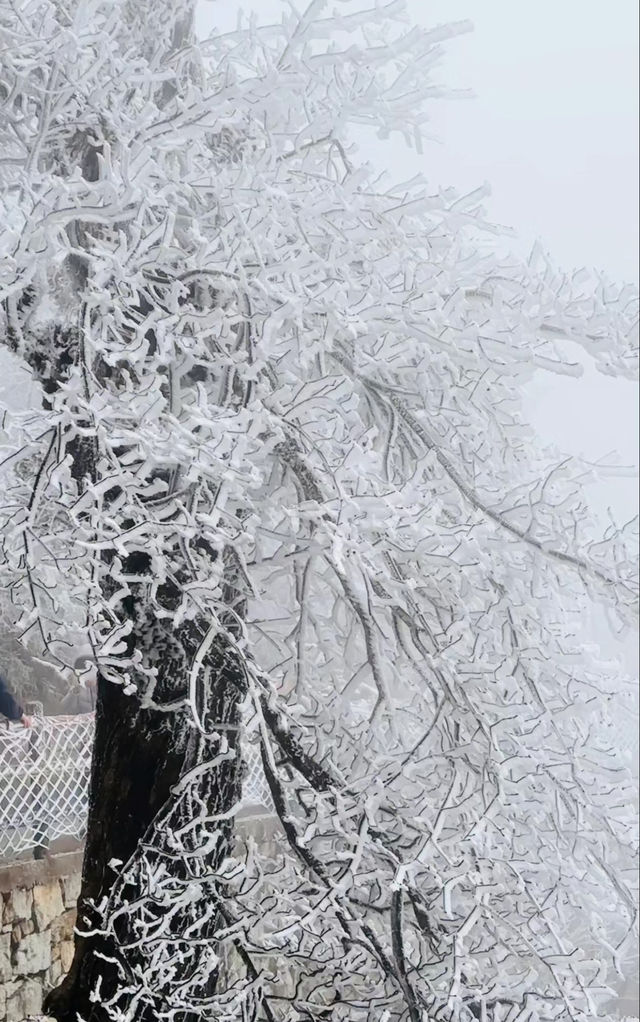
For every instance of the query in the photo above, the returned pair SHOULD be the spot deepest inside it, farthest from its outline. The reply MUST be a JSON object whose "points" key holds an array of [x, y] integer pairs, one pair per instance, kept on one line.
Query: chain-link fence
{"points": [[44, 782]]}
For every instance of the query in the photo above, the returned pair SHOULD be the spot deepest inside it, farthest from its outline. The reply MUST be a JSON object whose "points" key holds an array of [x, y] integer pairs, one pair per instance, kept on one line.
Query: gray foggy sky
{"points": [[553, 127]]}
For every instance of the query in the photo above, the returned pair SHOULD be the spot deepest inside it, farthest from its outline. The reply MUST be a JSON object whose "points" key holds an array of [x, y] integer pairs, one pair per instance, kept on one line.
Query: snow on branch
{"points": [[278, 473]]}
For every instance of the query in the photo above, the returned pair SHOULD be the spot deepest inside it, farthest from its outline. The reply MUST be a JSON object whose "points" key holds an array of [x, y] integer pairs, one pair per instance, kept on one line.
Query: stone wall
{"points": [[38, 910]]}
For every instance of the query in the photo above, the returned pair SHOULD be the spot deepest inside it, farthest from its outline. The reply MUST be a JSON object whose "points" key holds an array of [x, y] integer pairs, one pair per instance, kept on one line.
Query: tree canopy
{"points": [[281, 459]]}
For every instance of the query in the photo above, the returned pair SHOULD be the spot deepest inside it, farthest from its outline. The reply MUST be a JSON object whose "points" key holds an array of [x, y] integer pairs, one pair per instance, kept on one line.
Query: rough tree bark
{"points": [[137, 761]]}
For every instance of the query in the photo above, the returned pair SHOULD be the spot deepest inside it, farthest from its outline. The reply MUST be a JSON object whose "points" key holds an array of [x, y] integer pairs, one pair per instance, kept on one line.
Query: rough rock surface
{"points": [[37, 917]]}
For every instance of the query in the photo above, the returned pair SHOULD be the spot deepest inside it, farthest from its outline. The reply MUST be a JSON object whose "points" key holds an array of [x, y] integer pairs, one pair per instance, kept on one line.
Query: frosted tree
{"points": [[280, 475]]}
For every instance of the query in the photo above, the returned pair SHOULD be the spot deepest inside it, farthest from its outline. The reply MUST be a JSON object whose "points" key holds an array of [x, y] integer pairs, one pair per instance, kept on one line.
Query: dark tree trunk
{"points": [[135, 764], [139, 756]]}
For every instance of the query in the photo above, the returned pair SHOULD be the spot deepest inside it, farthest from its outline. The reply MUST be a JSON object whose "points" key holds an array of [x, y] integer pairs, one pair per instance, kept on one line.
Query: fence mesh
{"points": [[44, 781]]}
